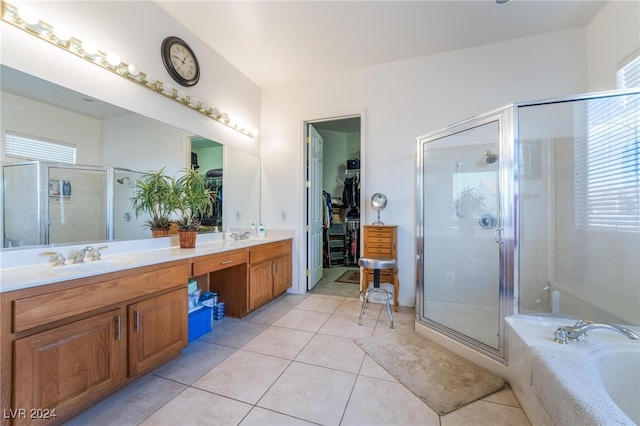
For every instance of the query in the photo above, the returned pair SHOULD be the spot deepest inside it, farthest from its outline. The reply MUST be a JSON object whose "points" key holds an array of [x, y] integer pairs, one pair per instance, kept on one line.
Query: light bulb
{"points": [[181, 94], [224, 117], [29, 16], [133, 70], [167, 88], [89, 48], [151, 79], [215, 112], [62, 33], [113, 59], [255, 132]]}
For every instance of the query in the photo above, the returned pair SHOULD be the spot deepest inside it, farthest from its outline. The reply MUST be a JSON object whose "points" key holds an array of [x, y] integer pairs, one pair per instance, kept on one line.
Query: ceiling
{"points": [[279, 42], [31, 87]]}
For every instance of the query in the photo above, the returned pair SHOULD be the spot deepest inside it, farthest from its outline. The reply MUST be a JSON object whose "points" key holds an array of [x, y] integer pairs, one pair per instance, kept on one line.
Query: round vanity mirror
{"points": [[378, 203]]}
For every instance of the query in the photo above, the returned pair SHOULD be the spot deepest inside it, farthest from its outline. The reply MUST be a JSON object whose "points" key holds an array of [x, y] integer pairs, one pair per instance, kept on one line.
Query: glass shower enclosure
{"points": [[533, 208], [48, 203]]}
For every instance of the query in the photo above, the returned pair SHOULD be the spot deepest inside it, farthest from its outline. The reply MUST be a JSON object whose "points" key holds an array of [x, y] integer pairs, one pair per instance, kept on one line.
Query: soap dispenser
{"points": [[261, 231]]}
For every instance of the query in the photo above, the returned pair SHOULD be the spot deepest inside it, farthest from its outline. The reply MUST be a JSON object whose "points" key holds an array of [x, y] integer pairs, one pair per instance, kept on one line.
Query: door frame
{"points": [[302, 282]]}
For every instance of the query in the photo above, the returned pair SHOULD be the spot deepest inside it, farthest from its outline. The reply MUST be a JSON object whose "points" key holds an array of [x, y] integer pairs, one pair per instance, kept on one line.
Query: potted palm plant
{"points": [[193, 201], [154, 197]]}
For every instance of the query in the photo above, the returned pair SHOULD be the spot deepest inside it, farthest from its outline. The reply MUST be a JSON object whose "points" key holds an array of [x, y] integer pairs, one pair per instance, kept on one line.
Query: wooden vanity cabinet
{"points": [[157, 330], [67, 345], [58, 370], [269, 272], [226, 274]]}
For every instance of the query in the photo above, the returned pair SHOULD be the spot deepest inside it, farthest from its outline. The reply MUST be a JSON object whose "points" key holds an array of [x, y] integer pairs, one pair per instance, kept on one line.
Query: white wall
{"points": [[401, 101], [135, 142], [612, 36], [32, 118]]}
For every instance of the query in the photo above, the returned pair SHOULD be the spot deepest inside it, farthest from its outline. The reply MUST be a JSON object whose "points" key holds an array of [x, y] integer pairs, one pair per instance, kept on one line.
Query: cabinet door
{"points": [[281, 275], [158, 330], [66, 367], [260, 284]]}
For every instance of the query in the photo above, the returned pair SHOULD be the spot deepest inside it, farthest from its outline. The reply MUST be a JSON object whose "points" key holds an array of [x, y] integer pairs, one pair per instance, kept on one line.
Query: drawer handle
{"points": [[137, 315], [226, 262], [118, 324]]}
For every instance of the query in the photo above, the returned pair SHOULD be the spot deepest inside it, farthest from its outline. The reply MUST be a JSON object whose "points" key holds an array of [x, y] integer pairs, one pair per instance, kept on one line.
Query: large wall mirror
{"points": [[46, 202]]}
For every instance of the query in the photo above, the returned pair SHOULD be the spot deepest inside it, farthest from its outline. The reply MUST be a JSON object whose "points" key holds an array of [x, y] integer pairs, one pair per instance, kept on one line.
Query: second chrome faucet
{"points": [[563, 334]]}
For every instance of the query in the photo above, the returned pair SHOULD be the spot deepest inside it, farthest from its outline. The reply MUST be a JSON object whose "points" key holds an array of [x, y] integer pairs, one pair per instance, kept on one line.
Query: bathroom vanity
{"points": [[68, 342]]}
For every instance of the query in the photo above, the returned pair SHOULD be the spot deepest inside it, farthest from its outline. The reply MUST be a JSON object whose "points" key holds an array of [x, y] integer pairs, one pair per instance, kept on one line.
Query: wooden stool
{"points": [[376, 265]]}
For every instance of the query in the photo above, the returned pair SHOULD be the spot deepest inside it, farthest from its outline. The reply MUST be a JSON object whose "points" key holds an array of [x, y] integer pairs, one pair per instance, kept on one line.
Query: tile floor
{"points": [[293, 362]]}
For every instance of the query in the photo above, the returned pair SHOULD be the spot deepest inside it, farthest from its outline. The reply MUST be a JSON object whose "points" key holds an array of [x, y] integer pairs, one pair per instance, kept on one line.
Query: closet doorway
{"points": [[332, 160]]}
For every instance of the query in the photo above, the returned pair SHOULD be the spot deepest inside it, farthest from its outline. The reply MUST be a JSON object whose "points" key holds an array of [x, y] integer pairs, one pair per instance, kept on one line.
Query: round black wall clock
{"points": [[180, 61]]}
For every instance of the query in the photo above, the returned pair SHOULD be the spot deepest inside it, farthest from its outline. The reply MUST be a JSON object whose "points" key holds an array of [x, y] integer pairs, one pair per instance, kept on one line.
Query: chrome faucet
{"points": [[58, 260], [78, 257], [562, 334], [96, 254], [239, 237]]}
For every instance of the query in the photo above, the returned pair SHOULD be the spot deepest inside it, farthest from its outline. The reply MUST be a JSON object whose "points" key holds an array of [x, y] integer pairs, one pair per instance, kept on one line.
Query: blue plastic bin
{"points": [[199, 322]]}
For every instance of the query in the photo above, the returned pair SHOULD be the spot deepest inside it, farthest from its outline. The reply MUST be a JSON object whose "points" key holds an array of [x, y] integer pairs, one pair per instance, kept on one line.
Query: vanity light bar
{"points": [[27, 20]]}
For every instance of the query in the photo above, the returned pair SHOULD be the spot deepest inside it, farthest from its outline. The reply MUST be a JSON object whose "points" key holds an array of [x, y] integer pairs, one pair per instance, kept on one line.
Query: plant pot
{"points": [[159, 232], [187, 238]]}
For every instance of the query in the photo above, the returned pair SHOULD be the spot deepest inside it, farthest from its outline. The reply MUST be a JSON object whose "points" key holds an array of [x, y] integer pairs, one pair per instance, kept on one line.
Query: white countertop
{"points": [[24, 268]]}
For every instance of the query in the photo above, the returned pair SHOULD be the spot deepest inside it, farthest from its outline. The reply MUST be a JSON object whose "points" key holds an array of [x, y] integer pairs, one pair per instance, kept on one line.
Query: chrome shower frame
{"points": [[509, 148], [506, 224]]}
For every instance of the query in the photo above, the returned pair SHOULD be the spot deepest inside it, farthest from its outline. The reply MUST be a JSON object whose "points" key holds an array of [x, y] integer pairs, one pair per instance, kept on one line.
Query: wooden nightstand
{"points": [[381, 242]]}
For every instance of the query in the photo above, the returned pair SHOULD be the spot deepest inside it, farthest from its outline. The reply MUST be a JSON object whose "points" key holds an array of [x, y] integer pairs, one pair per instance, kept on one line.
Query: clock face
{"points": [[180, 61]]}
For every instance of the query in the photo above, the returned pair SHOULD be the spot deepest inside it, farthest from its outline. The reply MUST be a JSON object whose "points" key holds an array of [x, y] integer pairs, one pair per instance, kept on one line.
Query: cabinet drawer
{"points": [[379, 242], [269, 251], [378, 233], [205, 264], [45, 308], [377, 252]]}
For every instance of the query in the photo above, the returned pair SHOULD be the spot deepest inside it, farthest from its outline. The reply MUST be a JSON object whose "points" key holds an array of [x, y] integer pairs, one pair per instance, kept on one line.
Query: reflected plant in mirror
{"points": [[156, 198]]}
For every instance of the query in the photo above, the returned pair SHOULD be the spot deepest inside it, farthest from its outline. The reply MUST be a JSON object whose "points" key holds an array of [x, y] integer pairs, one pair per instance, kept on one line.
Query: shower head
{"points": [[490, 158], [121, 180]]}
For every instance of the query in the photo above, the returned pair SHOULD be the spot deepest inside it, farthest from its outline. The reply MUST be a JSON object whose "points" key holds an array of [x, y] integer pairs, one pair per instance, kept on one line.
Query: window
{"points": [[628, 74], [37, 149]]}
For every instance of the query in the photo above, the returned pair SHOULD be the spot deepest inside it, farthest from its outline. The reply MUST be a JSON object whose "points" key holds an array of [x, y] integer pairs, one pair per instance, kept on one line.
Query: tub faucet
{"points": [[78, 257], [565, 333]]}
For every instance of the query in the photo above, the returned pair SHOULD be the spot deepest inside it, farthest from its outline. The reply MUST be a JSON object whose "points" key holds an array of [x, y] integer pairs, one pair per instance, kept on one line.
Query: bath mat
{"points": [[351, 277], [442, 379]]}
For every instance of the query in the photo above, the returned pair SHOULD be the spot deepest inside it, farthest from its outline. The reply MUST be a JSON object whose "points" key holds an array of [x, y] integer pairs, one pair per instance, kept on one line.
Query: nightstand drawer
{"points": [[379, 241], [378, 252], [379, 233]]}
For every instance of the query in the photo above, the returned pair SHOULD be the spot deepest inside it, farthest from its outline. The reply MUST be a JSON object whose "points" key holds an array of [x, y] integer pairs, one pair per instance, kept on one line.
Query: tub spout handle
{"points": [[560, 336], [574, 333]]}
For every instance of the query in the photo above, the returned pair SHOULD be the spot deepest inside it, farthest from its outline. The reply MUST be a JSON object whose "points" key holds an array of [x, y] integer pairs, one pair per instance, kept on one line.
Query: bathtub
{"points": [[592, 382]]}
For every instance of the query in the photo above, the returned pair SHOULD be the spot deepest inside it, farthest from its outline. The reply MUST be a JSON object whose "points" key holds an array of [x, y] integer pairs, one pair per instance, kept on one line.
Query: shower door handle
{"points": [[497, 236]]}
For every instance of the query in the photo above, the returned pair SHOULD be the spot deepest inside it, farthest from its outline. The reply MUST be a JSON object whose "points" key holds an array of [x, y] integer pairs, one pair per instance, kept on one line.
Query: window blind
{"points": [[608, 165], [37, 149], [628, 76]]}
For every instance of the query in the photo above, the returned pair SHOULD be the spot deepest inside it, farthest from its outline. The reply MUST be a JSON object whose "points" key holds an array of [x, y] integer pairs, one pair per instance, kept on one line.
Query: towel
{"points": [[572, 393]]}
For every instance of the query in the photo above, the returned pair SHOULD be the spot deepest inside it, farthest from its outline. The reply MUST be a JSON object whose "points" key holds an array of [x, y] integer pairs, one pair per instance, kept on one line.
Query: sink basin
{"points": [[88, 267]]}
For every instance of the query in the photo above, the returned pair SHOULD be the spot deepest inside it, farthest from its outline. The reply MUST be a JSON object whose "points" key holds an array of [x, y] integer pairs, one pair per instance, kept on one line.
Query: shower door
{"points": [[460, 232]]}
